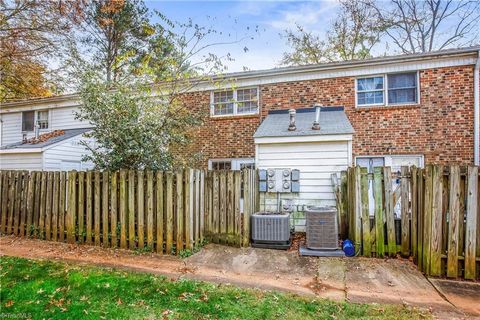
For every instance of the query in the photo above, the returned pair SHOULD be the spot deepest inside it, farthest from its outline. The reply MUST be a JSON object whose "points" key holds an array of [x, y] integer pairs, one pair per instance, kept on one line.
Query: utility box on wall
{"points": [[279, 180]]}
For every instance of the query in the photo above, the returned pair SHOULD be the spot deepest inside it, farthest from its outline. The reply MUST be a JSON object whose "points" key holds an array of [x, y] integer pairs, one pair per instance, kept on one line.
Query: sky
{"points": [[239, 21]]}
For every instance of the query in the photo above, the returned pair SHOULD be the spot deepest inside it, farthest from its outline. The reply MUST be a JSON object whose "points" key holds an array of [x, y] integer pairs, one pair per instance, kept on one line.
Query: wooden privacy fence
{"points": [[229, 193], [439, 223], [162, 211]]}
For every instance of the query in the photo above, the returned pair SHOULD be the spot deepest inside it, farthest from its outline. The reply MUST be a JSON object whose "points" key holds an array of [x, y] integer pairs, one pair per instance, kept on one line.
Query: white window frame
{"points": [[387, 158], [48, 119], [385, 90], [235, 103], [235, 162]]}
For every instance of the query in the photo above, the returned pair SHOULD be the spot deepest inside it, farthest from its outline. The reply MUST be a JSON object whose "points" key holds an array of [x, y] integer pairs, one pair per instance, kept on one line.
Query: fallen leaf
{"points": [[119, 301], [9, 303]]}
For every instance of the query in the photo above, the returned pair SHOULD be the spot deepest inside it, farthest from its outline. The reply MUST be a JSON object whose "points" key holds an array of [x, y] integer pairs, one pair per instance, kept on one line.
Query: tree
{"points": [[31, 32], [132, 129], [145, 124], [116, 34], [352, 35], [423, 26]]}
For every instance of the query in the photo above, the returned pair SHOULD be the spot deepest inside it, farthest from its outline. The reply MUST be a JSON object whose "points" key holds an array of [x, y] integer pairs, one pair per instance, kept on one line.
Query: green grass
{"points": [[44, 289]]}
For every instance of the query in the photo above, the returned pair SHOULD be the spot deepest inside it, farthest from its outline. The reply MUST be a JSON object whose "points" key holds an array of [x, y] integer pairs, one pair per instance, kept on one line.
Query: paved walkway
{"points": [[352, 279]]}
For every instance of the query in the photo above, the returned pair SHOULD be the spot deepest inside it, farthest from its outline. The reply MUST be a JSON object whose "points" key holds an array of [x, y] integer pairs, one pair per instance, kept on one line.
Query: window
{"points": [[390, 89], [42, 119], [28, 120], [231, 164], [370, 91], [393, 161], [402, 88], [235, 102], [221, 164]]}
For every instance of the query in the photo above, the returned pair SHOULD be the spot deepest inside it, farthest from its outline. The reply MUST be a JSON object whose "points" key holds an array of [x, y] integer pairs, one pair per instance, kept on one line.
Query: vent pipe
{"points": [[316, 122], [292, 126]]}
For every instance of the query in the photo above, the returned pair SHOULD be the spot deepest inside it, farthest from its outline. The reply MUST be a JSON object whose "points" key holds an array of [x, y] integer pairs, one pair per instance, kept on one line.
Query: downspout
{"points": [[476, 112]]}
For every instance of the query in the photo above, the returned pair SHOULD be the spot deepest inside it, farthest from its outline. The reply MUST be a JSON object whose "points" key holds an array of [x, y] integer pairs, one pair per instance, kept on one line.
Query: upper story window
{"points": [[42, 119], [390, 89], [234, 102], [29, 118]]}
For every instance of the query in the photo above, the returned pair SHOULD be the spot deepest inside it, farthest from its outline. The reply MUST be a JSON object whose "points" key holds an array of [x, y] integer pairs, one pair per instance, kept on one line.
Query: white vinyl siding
{"points": [[316, 162], [65, 154], [58, 119], [64, 118], [21, 161]]}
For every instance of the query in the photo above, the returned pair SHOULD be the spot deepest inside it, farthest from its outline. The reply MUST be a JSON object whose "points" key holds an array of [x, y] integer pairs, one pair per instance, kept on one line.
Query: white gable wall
{"points": [[67, 155], [316, 162]]}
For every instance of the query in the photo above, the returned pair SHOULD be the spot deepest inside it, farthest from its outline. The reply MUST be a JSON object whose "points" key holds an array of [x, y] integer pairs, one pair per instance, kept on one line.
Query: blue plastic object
{"points": [[348, 248]]}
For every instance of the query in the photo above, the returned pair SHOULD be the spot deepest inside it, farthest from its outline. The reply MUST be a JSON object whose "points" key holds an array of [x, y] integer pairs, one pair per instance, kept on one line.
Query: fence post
{"points": [[5, 197], [420, 217], [188, 209], [389, 214], [81, 204], [358, 207], [405, 216], [379, 225], [365, 214], [150, 209], [179, 211], [414, 217], [72, 206], [122, 203], [453, 225], [113, 211], [105, 207], [169, 213], [159, 193], [436, 222], [427, 221], [97, 207], [131, 209], [471, 222], [140, 213]]}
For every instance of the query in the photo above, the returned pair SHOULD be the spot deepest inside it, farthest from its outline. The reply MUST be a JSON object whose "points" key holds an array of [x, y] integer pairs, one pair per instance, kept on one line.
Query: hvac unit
{"points": [[321, 228], [270, 230]]}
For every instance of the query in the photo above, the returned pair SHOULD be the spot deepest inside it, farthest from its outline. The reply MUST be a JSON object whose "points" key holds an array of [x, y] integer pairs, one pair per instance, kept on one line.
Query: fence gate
{"points": [[438, 223]]}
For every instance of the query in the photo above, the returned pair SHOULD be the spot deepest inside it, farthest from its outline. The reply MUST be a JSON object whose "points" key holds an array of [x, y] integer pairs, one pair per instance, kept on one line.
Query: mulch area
{"points": [[298, 239]]}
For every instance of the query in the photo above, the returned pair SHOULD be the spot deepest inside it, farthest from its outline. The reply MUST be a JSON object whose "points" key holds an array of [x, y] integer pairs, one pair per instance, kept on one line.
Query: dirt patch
{"points": [[394, 281], [463, 294], [245, 267]]}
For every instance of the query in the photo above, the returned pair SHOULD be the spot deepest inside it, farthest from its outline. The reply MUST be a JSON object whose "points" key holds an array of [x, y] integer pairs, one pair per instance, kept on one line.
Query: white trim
{"points": [[234, 162], [350, 152], [235, 102], [13, 151], [385, 91], [388, 158], [312, 138]]}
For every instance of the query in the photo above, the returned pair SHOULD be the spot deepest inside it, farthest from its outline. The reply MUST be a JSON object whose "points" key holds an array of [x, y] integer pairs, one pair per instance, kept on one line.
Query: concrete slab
{"points": [[391, 281], [261, 268], [463, 294]]}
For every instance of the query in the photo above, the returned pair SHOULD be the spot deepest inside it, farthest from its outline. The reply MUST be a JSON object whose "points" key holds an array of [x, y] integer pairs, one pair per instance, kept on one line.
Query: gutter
{"points": [[476, 112]]}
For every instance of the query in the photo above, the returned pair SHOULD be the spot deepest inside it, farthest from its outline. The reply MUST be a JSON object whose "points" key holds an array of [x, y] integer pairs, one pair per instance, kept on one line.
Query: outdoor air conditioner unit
{"points": [[270, 230], [321, 228]]}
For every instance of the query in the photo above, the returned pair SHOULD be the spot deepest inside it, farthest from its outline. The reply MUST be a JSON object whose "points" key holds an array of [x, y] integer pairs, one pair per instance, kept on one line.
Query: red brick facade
{"points": [[440, 127]]}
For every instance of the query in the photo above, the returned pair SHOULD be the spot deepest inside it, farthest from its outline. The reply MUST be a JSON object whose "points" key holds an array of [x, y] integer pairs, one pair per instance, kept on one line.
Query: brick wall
{"points": [[440, 127]]}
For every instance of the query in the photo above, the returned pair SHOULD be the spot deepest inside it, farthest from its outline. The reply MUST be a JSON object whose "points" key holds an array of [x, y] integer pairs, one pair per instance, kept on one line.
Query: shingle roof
{"points": [[68, 133], [333, 120]]}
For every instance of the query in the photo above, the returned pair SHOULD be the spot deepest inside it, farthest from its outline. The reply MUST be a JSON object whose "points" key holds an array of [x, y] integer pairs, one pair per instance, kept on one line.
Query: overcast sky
{"points": [[237, 19]]}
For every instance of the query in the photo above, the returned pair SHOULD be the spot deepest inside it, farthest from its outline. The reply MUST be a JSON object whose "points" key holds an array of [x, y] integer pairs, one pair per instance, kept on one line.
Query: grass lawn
{"points": [[44, 289]]}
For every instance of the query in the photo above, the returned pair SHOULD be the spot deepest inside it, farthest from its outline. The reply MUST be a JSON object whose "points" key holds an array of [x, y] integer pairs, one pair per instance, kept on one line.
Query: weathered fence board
{"points": [[438, 214]]}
